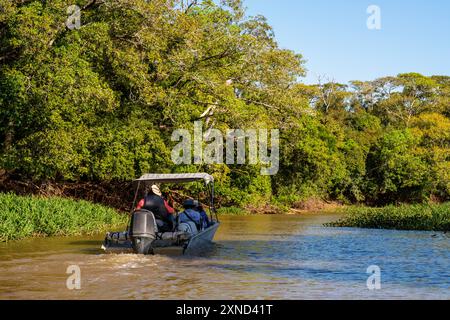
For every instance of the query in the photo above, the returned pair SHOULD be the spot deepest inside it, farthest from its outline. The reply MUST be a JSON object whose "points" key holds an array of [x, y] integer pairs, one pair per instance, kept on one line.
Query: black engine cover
{"points": [[143, 225]]}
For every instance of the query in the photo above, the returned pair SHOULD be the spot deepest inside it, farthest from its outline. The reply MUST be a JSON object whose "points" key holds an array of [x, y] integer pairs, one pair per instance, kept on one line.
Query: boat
{"points": [[143, 236]]}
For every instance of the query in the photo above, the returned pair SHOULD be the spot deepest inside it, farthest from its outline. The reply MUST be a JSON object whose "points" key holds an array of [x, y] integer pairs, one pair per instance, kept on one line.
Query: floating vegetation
{"points": [[405, 217]]}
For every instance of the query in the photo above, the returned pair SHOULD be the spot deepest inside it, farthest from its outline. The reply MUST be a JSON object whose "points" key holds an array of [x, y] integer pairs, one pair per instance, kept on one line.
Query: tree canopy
{"points": [[100, 102]]}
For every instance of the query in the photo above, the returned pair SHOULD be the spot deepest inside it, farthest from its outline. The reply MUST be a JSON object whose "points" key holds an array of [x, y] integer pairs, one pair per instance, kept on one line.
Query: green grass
{"points": [[22, 217], [406, 217]]}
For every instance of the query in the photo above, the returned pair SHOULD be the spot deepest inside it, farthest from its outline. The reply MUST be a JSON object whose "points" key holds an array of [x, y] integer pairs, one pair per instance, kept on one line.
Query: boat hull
{"points": [[194, 245], [202, 239]]}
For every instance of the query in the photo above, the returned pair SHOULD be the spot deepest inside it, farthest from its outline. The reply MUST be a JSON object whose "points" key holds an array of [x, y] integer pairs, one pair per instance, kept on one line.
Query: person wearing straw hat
{"points": [[155, 203]]}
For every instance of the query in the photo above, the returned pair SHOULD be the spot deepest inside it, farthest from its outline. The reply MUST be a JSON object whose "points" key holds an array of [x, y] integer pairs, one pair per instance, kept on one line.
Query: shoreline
{"points": [[412, 217], [418, 217], [24, 217]]}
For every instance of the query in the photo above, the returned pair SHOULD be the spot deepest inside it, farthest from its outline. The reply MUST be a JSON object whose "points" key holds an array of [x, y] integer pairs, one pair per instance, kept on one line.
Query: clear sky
{"points": [[333, 36]]}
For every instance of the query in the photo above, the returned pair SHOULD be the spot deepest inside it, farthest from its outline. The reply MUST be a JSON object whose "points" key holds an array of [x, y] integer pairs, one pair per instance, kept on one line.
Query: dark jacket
{"points": [[156, 205]]}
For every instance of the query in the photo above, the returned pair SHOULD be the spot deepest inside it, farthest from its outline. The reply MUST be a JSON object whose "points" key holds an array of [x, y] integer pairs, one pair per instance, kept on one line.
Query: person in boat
{"points": [[191, 214], [159, 206], [203, 214]]}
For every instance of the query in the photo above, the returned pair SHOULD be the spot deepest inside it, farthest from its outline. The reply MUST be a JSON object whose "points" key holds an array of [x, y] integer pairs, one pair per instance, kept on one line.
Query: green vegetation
{"points": [[232, 211], [406, 217], [22, 217], [100, 103]]}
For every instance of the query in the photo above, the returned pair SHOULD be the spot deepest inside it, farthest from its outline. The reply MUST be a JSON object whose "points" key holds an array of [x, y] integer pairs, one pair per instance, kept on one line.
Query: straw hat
{"points": [[155, 190]]}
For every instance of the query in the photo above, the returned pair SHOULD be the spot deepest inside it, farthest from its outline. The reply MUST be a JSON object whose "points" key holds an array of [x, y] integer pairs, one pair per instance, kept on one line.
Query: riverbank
{"points": [[311, 205], [419, 217], [422, 217], [32, 216], [38, 216]]}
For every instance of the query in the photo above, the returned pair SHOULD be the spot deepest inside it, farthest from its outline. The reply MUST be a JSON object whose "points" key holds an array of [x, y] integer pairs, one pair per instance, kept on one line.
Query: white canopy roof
{"points": [[176, 178]]}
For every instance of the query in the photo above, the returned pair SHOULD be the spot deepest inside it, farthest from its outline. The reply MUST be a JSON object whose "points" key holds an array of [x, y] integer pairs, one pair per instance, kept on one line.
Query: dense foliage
{"points": [[100, 103], [22, 217], [421, 217]]}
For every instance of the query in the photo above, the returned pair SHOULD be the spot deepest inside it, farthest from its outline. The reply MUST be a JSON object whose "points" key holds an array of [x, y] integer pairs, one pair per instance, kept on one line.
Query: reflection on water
{"points": [[258, 257]]}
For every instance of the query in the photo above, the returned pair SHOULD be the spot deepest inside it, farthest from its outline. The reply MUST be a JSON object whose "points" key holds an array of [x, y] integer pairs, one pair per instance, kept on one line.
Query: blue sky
{"points": [[333, 37]]}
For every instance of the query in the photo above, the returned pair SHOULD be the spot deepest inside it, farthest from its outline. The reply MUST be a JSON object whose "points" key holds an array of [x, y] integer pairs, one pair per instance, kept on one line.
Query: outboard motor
{"points": [[143, 229]]}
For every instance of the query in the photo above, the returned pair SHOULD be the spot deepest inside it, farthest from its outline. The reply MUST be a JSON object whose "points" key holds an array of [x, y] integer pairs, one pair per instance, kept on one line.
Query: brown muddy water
{"points": [[254, 257]]}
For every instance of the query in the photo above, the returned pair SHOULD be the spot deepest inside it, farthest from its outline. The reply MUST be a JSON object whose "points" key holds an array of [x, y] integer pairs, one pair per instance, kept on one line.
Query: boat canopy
{"points": [[176, 178]]}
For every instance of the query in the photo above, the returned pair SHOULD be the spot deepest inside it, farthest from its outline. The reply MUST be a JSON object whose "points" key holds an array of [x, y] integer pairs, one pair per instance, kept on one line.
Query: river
{"points": [[254, 257]]}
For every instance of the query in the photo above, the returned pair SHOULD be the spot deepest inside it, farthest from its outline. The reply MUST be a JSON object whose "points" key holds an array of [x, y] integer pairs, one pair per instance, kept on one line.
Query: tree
{"points": [[396, 169]]}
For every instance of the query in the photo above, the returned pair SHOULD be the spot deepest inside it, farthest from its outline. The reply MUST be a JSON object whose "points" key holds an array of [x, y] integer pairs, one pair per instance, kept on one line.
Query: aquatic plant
{"points": [[424, 217], [22, 217]]}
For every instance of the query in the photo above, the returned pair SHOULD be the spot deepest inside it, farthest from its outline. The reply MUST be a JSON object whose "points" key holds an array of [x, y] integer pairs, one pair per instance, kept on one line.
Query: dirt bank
{"points": [[118, 195], [315, 205]]}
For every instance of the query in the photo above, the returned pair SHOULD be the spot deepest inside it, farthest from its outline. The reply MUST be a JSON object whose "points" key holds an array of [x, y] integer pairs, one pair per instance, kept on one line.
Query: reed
{"points": [[31, 216], [435, 217]]}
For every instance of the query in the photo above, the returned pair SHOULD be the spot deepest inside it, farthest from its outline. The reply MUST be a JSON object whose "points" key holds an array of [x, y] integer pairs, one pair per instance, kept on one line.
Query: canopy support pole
{"points": [[135, 197]]}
